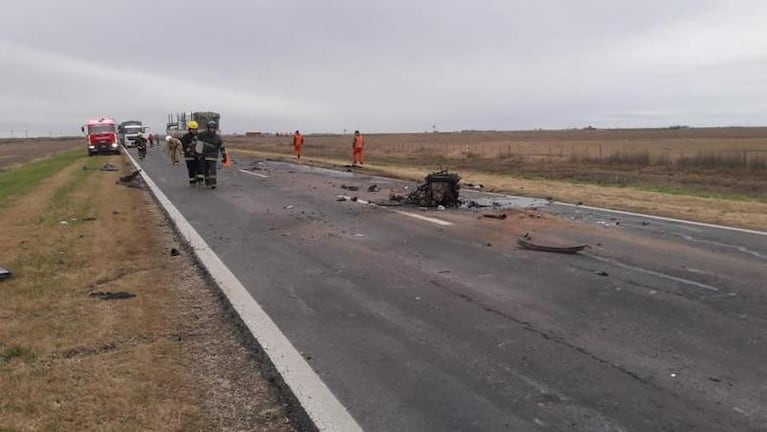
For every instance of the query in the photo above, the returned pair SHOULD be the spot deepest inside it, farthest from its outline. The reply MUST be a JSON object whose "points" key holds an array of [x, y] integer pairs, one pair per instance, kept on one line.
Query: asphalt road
{"points": [[437, 321]]}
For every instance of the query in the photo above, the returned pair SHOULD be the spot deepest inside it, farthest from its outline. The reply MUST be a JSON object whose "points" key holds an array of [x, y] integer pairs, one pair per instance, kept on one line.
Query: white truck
{"points": [[128, 130]]}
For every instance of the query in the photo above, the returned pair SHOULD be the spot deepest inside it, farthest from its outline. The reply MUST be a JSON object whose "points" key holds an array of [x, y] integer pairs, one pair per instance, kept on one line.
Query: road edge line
{"points": [[322, 408]]}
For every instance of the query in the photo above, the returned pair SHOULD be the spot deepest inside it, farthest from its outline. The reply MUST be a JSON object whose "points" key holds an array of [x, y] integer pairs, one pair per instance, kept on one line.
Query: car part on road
{"points": [[373, 188], [5, 274], [109, 167], [350, 188], [524, 244], [439, 188], [131, 180]]}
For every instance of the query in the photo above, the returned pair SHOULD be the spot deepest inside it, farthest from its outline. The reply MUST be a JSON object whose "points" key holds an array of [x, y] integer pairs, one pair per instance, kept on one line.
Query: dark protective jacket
{"points": [[188, 142], [212, 145], [140, 142]]}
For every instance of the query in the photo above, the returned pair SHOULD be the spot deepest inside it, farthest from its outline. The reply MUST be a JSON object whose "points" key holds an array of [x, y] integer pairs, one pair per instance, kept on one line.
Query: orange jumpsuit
{"points": [[298, 142], [359, 144]]}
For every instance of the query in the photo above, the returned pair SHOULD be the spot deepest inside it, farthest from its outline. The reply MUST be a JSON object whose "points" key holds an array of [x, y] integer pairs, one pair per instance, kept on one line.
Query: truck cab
{"points": [[128, 131], [101, 136]]}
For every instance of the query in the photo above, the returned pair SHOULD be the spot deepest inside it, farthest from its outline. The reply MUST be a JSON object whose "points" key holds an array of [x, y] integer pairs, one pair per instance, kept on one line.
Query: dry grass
{"points": [[721, 163], [153, 362], [18, 151]]}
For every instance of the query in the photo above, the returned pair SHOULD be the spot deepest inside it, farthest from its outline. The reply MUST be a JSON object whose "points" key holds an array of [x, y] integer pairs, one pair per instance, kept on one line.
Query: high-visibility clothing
{"points": [[359, 141]]}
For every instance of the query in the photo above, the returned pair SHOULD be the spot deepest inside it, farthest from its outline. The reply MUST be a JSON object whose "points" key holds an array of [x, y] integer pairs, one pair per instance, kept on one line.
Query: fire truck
{"points": [[101, 136]]}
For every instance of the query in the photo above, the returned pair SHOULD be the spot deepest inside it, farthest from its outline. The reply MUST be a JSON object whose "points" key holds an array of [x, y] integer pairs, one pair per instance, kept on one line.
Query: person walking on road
{"points": [[140, 143], [211, 146], [357, 145], [151, 139], [174, 145], [188, 145], [298, 142]]}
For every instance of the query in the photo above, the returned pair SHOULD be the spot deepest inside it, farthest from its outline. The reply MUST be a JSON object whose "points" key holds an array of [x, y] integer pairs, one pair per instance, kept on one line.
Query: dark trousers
{"points": [[208, 171], [192, 165]]}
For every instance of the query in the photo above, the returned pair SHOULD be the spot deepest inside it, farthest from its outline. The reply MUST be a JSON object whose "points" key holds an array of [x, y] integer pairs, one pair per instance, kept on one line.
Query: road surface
{"points": [[437, 321]]}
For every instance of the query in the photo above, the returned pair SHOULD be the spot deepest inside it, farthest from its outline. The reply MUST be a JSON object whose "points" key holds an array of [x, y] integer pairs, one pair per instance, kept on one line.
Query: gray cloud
{"points": [[384, 65]]}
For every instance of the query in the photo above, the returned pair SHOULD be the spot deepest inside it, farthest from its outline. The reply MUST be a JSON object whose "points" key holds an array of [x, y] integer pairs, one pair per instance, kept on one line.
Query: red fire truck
{"points": [[101, 135]]}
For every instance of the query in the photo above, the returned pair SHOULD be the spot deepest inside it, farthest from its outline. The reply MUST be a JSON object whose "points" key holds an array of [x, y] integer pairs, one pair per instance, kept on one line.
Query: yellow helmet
{"points": [[192, 125]]}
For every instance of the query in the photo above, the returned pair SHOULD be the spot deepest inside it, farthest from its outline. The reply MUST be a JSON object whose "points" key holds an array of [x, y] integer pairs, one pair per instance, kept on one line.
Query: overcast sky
{"points": [[388, 65]]}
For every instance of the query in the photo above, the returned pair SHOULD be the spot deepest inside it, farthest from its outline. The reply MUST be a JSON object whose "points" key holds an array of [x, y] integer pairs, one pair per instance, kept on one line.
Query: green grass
{"points": [[18, 181]]}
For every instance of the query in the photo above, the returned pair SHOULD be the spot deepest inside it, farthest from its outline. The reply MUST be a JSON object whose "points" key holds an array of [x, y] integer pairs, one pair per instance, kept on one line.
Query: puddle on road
{"points": [[504, 202]]}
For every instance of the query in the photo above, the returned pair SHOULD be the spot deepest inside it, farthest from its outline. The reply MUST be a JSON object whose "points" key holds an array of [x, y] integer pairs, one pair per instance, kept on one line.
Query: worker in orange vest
{"points": [[298, 141], [357, 146]]}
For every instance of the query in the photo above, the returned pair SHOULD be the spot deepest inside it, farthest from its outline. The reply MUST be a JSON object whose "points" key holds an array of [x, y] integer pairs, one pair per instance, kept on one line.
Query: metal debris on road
{"points": [[120, 295], [350, 188], [131, 180], [439, 188], [495, 216], [373, 188], [524, 244], [288, 207], [341, 198], [5, 273], [602, 273]]}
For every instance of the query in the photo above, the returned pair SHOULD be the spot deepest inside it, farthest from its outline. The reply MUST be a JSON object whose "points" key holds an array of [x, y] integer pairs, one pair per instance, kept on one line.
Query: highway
{"points": [[436, 320]]}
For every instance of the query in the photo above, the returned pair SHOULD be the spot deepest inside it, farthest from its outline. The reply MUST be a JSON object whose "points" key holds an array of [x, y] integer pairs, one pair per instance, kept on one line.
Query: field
{"points": [[169, 358], [714, 175], [17, 151]]}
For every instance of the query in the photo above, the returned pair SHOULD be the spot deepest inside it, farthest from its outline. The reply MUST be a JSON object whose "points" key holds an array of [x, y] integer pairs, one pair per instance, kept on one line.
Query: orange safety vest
{"points": [[359, 142], [298, 140]]}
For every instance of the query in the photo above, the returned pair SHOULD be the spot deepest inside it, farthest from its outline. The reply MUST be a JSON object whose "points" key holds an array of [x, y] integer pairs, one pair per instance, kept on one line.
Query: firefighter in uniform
{"points": [[188, 144], [208, 152], [140, 142], [174, 145]]}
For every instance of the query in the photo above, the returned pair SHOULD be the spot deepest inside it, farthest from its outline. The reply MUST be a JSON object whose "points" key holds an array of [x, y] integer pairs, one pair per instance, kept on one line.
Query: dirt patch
{"points": [[167, 359]]}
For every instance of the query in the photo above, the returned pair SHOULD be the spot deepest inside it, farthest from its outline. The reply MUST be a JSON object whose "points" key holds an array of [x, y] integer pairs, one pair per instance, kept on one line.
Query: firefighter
{"points": [[357, 145], [140, 142], [188, 144], [208, 151], [174, 145], [298, 142]]}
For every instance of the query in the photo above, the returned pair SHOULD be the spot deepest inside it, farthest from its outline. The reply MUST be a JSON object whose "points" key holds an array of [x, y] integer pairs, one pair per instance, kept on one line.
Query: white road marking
{"points": [[652, 272], [424, 218], [412, 215], [667, 219], [319, 403], [252, 173]]}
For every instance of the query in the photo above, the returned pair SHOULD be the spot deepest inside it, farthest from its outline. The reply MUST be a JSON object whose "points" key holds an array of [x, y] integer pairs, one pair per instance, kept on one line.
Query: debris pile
{"points": [[440, 189], [5, 274], [131, 180]]}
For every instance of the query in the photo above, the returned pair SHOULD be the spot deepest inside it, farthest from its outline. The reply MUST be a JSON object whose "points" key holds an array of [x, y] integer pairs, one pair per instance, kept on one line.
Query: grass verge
{"points": [[19, 180], [157, 361]]}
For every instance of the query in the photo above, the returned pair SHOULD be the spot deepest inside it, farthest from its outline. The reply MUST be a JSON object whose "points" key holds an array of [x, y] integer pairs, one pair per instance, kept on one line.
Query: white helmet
{"points": [[167, 138]]}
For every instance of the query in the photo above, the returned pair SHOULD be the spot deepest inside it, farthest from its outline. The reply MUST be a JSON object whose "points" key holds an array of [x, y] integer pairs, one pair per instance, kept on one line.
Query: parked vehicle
{"points": [[128, 131], [101, 136], [176, 125]]}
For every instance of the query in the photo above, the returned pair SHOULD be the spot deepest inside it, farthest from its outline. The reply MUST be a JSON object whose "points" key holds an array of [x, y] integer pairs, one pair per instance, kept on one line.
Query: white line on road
{"points": [[424, 218], [412, 215], [319, 403], [252, 173], [653, 273]]}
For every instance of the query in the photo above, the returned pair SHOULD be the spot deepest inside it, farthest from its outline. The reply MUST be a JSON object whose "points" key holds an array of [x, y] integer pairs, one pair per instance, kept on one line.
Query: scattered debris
{"points": [[341, 198], [475, 186], [440, 207], [350, 188], [439, 188], [110, 167], [579, 203], [602, 273], [131, 180], [288, 207], [5, 274], [120, 295], [354, 199], [174, 252], [713, 379], [89, 219], [63, 223], [556, 249], [495, 216], [488, 244], [396, 197], [373, 188], [115, 212], [645, 223]]}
